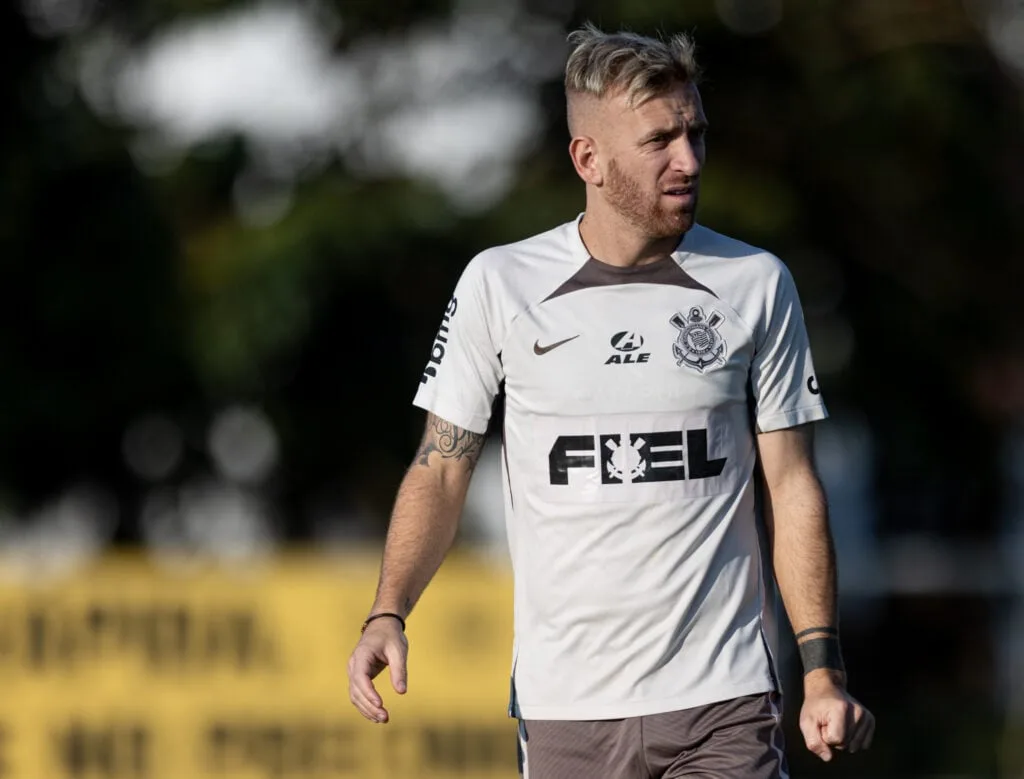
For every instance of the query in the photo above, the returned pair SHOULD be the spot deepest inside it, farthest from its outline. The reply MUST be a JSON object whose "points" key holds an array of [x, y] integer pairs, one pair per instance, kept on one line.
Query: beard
{"points": [[646, 210]]}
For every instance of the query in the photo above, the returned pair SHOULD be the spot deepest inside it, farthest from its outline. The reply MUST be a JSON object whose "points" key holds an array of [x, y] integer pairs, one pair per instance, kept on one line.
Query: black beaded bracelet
{"points": [[372, 617], [826, 630]]}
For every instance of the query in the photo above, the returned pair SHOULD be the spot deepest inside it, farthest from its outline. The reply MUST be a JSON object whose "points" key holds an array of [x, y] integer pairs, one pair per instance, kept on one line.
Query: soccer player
{"points": [[659, 398]]}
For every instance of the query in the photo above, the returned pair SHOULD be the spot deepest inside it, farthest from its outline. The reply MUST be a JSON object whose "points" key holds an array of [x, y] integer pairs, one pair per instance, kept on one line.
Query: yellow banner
{"points": [[129, 671]]}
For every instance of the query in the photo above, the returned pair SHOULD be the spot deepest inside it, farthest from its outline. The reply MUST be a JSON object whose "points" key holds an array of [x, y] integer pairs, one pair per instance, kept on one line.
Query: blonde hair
{"points": [[642, 67]]}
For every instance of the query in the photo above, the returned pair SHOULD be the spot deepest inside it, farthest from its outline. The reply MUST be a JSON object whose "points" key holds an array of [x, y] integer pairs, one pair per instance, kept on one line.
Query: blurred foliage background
{"points": [[228, 232]]}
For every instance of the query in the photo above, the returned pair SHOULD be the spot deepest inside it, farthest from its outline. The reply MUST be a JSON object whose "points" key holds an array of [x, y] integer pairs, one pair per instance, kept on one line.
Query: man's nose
{"points": [[685, 158]]}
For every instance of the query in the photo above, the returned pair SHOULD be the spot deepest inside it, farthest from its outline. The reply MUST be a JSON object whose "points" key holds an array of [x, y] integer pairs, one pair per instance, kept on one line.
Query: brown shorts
{"points": [[735, 739]]}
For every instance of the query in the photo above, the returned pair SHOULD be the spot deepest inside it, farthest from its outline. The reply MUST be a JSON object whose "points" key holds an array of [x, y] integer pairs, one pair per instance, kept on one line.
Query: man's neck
{"points": [[612, 240]]}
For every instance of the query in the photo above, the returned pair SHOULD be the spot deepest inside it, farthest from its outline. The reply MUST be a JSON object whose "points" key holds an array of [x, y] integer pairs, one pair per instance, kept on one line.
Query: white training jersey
{"points": [[632, 398]]}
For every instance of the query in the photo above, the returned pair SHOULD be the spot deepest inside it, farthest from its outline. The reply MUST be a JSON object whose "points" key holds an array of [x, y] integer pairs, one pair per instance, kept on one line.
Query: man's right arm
{"points": [[422, 528], [426, 513]]}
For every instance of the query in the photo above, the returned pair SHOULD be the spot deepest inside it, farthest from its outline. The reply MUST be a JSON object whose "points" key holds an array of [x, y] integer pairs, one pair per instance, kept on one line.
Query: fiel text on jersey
{"points": [[635, 458]]}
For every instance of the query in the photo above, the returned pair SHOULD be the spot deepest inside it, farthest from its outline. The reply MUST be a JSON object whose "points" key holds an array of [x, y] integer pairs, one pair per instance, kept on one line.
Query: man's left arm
{"points": [[804, 560]]}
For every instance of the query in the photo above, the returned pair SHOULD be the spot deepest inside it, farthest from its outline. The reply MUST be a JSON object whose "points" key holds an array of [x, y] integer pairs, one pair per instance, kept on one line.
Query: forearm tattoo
{"points": [[450, 441]]}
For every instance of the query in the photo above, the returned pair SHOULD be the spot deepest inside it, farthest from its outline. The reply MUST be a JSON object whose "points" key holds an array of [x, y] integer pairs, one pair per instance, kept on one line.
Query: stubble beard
{"points": [[644, 210]]}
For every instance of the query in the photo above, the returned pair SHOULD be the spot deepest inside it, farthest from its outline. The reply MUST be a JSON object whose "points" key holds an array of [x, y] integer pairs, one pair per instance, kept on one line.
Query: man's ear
{"points": [[583, 151]]}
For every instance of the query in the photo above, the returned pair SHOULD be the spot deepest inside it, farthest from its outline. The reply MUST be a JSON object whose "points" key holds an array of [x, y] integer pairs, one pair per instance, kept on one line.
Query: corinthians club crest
{"points": [[699, 344]]}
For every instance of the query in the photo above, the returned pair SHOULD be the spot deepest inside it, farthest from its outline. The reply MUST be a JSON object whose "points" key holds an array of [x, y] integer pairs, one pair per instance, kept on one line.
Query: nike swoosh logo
{"points": [[538, 349]]}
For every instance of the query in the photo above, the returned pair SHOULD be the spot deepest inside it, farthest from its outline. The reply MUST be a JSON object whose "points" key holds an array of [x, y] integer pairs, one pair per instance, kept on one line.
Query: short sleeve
{"points": [[784, 384], [463, 371]]}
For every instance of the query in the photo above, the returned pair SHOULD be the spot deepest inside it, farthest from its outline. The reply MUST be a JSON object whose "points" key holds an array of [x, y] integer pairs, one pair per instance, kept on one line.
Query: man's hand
{"points": [[831, 718], [383, 644]]}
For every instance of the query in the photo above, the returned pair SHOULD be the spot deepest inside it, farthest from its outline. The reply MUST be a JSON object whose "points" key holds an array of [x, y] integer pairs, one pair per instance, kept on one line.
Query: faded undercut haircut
{"points": [[642, 67]]}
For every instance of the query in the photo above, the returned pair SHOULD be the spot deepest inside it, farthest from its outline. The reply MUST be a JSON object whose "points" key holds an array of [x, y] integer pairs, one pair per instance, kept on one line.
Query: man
{"points": [[659, 392]]}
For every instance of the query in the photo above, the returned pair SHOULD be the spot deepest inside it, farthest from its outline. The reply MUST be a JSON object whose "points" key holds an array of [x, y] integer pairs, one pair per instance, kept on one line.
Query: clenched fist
{"points": [[831, 718]]}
